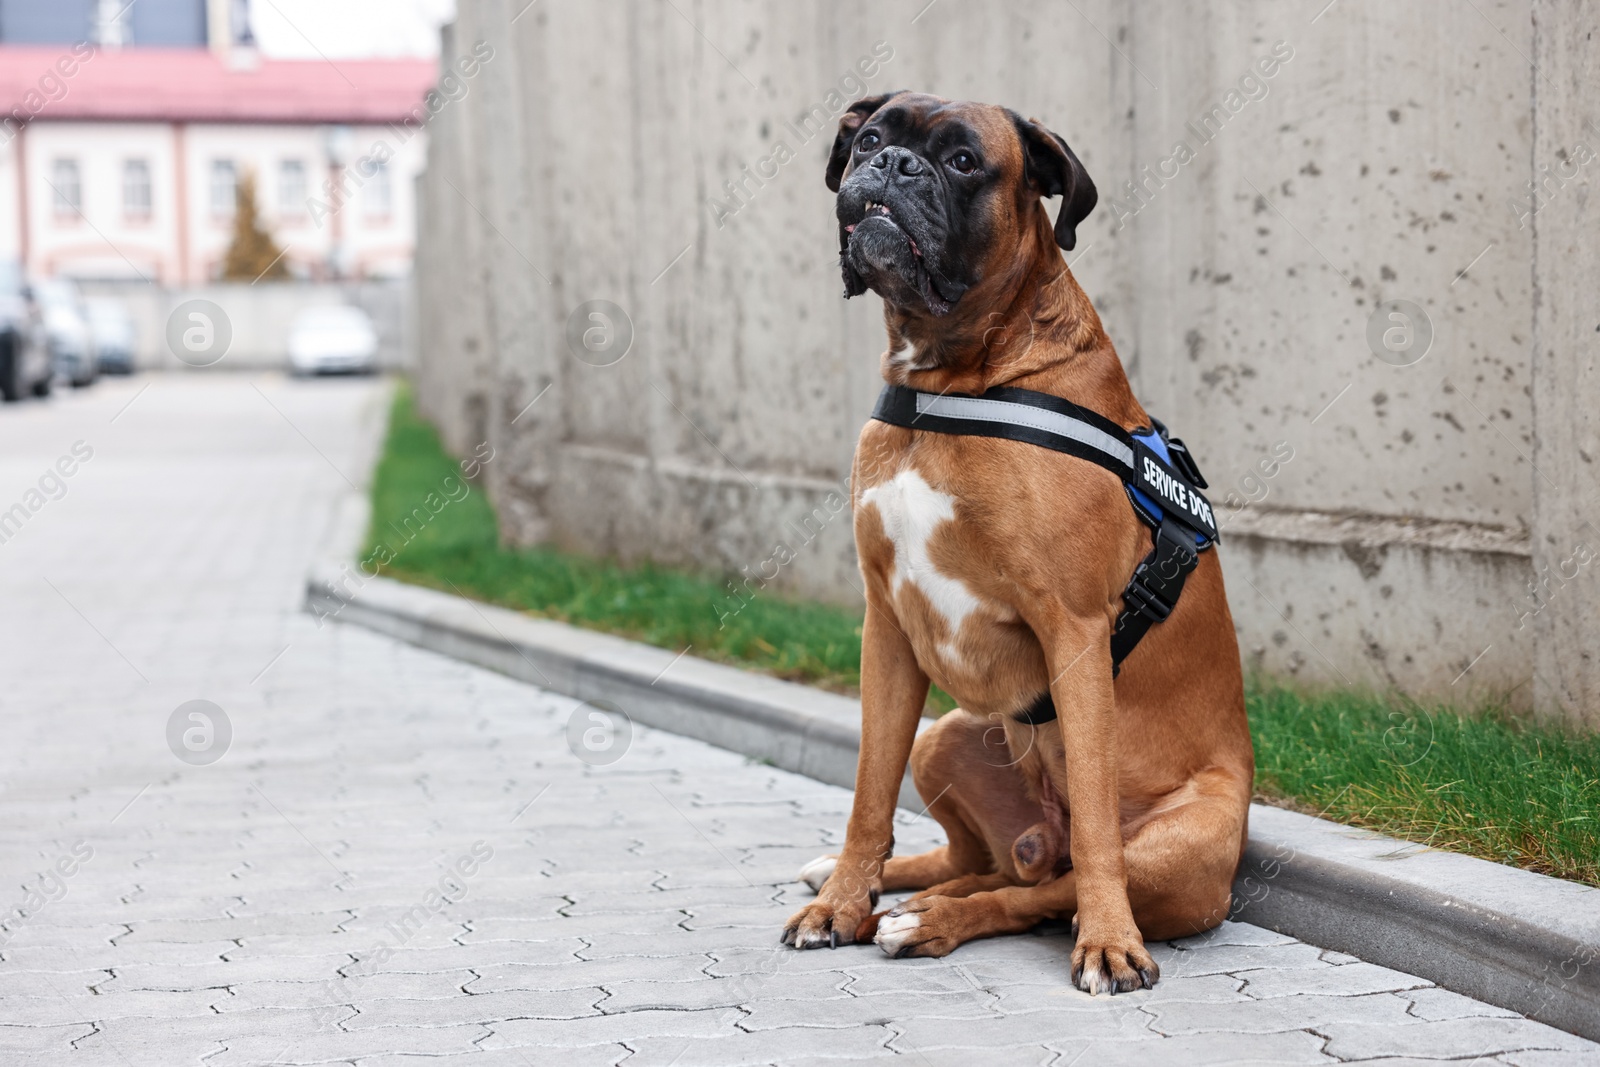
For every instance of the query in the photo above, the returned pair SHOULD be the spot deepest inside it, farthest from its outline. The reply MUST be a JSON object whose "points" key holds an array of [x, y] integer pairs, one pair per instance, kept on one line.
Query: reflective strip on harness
{"points": [[1162, 480], [1141, 460], [1014, 414]]}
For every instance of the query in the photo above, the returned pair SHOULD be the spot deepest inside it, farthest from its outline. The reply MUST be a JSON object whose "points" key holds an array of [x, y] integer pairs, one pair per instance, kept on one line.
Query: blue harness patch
{"points": [[1143, 503]]}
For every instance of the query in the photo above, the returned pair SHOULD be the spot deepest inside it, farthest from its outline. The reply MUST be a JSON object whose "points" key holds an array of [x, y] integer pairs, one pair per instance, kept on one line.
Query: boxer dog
{"points": [[996, 569]]}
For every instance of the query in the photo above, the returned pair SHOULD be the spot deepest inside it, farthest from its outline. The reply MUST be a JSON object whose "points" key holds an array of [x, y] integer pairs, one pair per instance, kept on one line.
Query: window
{"points": [[111, 23], [380, 193], [67, 187], [136, 188], [224, 185], [291, 187]]}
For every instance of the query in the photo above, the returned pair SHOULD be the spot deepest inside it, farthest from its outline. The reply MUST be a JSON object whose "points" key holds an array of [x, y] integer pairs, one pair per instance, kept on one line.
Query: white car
{"points": [[115, 338], [333, 339], [66, 327]]}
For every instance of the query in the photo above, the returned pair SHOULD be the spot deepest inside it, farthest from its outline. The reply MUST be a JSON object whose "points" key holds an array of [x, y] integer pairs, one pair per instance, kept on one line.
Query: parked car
{"points": [[114, 335], [24, 356], [66, 326], [333, 339]]}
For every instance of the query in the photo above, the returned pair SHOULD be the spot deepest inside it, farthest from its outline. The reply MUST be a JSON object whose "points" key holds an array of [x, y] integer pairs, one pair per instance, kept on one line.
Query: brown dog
{"points": [[996, 569]]}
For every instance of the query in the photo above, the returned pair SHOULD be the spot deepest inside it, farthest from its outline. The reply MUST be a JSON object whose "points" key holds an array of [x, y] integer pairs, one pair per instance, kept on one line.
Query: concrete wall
{"points": [[1566, 369], [1250, 227], [260, 316]]}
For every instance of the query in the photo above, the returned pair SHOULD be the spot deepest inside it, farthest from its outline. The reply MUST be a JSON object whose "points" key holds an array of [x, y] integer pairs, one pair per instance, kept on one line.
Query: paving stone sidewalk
{"points": [[399, 860]]}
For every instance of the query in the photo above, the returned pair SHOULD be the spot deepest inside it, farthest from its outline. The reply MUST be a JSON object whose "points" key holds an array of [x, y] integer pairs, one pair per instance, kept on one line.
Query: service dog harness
{"points": [[1161, 478]]}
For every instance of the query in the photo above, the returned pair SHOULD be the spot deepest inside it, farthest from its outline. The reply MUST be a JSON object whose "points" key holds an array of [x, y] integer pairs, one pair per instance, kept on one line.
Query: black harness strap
{"points": [[1062, 426], [1038, 713], [1162, 479], [1149, 598], [1015, 415], [1153, 592]]}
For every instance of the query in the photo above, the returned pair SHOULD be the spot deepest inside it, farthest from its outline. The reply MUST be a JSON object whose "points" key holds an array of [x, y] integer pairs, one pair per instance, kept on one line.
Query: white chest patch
{"points": [[911, 511], [905, 358]]}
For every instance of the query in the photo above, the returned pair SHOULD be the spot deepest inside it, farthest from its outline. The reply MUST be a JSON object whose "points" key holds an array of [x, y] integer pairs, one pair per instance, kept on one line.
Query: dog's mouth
{"points": [[879, 253], [873, 208]]}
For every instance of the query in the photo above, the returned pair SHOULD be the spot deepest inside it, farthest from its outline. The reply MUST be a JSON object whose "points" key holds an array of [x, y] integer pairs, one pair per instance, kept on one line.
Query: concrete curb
{"points": [[1508, 937], [794, 727], [1501, 935]]}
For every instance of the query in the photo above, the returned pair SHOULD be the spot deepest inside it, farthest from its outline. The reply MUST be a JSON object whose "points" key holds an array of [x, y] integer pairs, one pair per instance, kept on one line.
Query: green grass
{"points": [[1484, 784], [458, 550]]}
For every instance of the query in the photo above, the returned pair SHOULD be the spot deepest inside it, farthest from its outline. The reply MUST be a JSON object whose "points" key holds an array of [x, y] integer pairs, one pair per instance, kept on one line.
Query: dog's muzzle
{"points": [[890, 234]]}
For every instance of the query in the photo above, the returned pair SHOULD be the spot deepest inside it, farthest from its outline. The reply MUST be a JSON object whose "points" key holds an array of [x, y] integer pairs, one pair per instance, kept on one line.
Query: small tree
{"points": [[253, 253]]}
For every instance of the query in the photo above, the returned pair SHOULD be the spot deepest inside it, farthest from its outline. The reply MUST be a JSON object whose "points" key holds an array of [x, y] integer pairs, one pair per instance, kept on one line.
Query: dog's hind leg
{"points": [[965, 885], [1181, 856], [900, 873], [929, 868]]}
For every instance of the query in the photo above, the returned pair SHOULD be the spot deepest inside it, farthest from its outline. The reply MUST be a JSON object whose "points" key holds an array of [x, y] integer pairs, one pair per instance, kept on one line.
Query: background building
{"points": [[125, 128]]}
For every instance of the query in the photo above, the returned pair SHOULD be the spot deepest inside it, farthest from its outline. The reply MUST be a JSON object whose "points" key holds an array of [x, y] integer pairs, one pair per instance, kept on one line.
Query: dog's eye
{"points": [[963, 162], [867, 142]]}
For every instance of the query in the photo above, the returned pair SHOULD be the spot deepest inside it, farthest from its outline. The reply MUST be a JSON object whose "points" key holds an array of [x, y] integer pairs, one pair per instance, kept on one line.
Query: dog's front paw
{"points": [[930, 926], [935, 926], [1111, 962], [815, 873], [827, 923]]}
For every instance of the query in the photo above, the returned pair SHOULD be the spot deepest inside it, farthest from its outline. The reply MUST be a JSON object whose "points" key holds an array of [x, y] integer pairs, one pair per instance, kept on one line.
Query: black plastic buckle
{"points": [[1144, 599], [1185, 463]]}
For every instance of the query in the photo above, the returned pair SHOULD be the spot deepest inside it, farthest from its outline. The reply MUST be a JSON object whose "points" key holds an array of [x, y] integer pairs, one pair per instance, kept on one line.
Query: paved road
{"points": [[399, 861]]}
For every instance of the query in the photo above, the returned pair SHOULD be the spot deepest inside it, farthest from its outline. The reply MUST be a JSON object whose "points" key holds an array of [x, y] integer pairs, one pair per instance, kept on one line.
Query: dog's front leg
{"points": [[893, 692], [1109, 954]]}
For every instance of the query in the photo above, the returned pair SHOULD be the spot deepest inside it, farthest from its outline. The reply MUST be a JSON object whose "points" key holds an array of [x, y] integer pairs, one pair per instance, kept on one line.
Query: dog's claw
{"points": [[819, 925], [1113, 968]]}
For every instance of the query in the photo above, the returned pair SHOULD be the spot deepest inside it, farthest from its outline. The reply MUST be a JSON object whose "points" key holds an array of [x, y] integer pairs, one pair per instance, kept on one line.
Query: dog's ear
{"points": [[1052, 169], [851, 121]]}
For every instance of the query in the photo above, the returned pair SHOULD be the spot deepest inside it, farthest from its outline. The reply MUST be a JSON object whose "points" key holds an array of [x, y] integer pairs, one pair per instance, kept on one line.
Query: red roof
{"points": [[196, 85]]}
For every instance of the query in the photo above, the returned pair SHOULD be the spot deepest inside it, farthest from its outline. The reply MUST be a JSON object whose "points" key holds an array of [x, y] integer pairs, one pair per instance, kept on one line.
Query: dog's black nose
{"points": [[902, 159]]}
